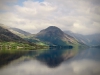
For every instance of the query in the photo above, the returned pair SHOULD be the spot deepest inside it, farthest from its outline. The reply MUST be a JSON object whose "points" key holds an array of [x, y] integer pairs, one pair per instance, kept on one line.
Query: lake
{"points": [[52, 62]]}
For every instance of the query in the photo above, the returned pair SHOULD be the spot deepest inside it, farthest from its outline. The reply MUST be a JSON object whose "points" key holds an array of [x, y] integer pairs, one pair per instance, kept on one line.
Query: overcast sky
{"points": [[79, 16]]}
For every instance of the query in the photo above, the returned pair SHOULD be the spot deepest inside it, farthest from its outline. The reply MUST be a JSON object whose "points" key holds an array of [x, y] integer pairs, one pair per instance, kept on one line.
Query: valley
{"points": [[52, 36]]}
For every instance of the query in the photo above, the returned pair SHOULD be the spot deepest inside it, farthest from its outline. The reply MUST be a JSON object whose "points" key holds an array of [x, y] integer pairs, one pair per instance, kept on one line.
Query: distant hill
{"points": [[55, 36], [91, 40], [94, 39], [19, 32], [7, 36], [49, 36]]}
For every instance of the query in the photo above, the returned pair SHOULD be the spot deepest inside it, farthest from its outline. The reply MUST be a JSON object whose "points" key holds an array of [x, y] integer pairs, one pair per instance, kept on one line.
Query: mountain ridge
{"points": [[7, 36], [52, 35], [55, 36], [90, 40], [19, 32]]}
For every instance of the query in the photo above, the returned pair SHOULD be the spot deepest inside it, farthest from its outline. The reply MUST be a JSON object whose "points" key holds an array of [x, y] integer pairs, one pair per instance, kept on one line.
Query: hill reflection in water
{"points": [[55, 62]]}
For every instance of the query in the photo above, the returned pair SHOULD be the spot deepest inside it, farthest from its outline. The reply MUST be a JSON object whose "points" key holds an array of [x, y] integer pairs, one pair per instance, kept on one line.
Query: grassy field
{"points": [[13, 46]]}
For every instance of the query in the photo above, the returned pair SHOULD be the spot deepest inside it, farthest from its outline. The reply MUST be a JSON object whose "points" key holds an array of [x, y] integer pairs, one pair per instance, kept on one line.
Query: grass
{"points": [[12, 47]]}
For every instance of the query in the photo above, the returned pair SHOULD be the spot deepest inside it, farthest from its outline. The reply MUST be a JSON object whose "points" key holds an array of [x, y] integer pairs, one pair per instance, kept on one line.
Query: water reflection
{"points": [[6, 57], [91, 53], [40, 63], [54, 58]]}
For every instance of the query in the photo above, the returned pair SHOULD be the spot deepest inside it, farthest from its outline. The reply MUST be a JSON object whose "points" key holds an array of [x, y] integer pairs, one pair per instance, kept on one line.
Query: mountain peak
{"points": [[51, 31], [52, 28]]}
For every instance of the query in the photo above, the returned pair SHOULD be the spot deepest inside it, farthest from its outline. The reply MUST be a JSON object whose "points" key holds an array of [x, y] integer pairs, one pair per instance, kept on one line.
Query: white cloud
{"points": [[84, 29], [34, 16]]}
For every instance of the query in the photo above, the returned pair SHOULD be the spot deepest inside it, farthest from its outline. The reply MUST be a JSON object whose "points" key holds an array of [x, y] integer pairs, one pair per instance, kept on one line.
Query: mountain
{"points": [[94, 39], [78, 37], [7, 36], [19, 32], [55, 36], [91, 40], [49, 36]]}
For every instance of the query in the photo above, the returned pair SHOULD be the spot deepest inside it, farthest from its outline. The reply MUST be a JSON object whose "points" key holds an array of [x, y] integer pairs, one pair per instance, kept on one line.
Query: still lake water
{"points": [[55, 62]]}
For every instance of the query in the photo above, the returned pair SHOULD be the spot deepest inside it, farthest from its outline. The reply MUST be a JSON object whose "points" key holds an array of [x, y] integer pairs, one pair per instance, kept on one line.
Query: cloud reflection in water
{"points": [[34, 67]]}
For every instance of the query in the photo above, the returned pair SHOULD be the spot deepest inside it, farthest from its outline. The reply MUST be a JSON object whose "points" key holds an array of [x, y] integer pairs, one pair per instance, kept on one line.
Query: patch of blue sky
{"points": [[39, 0], [20, 2]]}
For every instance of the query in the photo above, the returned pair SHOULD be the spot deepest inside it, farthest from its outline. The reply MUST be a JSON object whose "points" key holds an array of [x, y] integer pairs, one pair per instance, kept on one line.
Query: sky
{"points": [[78, 16]]}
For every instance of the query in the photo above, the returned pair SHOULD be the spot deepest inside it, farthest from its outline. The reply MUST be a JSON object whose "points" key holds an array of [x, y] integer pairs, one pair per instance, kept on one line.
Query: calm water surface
{"points": [[55, 62]]}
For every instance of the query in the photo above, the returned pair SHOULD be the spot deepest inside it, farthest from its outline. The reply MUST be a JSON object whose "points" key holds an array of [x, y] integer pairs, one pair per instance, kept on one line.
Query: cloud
{"points": [[5, 4], [84, 29], [73, 15], [34, 67]]}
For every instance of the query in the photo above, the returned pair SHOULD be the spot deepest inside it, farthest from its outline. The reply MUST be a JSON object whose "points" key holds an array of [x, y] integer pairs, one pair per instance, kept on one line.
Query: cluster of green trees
{"points": [[19, 46]]}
